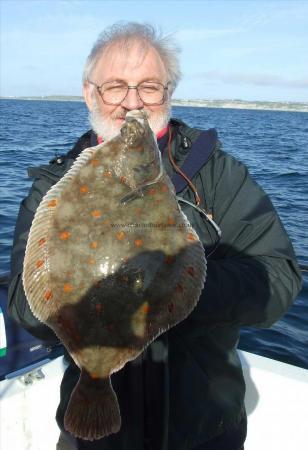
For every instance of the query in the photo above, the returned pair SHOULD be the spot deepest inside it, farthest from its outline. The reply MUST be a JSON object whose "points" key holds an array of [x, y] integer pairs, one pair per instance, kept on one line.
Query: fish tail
{"points": [[93, 410]]}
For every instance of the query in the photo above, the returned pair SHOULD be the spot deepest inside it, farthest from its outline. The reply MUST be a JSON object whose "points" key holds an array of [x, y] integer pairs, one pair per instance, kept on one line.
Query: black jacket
{"points": [[188, 387]]}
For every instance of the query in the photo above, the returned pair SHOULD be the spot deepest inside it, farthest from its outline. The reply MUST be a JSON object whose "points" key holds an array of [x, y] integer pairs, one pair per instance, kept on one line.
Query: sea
{"points": [[272, 144]]}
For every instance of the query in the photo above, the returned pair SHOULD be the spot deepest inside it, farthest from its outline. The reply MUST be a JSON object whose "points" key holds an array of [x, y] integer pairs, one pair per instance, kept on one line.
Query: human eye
{"points": [[115, 86], [149, 87]]}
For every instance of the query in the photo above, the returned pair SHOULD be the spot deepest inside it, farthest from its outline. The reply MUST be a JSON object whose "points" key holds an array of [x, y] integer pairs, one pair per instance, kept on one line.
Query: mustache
{"points": [[104, 124]]}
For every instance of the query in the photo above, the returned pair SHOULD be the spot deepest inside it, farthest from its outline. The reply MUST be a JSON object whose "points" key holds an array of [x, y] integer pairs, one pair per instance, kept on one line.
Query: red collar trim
{"points": [[162, 132]]}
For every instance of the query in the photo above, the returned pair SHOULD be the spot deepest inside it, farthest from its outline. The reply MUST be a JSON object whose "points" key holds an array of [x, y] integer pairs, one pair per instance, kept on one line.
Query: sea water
{"points": [[272, 144]]}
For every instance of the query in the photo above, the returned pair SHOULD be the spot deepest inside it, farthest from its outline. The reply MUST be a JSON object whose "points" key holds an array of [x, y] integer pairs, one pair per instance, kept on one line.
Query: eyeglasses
{"points": [[149, 92]]}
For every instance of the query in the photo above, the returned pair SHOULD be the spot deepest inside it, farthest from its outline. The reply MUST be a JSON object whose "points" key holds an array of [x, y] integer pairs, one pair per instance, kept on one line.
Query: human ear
{"points": [[88, 95]]}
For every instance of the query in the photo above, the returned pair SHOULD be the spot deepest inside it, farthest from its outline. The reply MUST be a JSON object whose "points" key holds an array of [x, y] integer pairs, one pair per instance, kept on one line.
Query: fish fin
{"points": [[189, 287], [187, 290], [36, 274], [93, 411]]}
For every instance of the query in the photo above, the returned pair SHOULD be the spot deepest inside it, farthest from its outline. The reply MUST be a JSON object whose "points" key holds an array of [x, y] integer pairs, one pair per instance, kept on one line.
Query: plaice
{"points": [[111, 263]]}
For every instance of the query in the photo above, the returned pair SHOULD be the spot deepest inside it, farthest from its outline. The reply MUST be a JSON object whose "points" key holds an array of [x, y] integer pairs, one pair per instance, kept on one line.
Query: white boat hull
{"points": [[276, 402]]}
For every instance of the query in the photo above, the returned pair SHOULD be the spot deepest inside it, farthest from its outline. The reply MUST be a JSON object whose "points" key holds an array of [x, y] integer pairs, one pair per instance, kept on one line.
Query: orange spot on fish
{"points": [[67, 288], [164, 188], [146, 308], [42, 242], [96, 213], [52, 203], [122, 179], [91, 261], [152, 191], [48, 295], [84, 189], [94, 376], [191, 237], [191, 271], [94, 244], [64, 235], [95, 162], [169, 259], [120, 235], [106, 221], [170, 221], [107, 173], [138, 242], [39, 263]]}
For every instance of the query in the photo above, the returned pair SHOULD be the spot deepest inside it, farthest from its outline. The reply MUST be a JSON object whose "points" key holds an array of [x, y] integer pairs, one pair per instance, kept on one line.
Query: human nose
{"points": [[132, 99]]}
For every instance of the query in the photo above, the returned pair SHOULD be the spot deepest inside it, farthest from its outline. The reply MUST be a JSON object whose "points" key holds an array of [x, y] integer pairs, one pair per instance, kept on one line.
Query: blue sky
{"points": [[250, 50]]}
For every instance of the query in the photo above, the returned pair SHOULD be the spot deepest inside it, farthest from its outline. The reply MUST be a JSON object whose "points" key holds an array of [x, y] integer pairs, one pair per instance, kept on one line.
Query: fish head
{"points": [[135, 128], [143, 155]]}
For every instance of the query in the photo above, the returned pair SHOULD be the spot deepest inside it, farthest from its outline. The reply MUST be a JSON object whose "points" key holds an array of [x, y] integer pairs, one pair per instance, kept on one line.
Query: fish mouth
{"points": [[136, 114]]}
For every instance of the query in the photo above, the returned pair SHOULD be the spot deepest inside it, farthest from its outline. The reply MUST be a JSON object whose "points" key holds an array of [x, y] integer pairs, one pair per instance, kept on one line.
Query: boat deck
{"points": [[276, 402]]}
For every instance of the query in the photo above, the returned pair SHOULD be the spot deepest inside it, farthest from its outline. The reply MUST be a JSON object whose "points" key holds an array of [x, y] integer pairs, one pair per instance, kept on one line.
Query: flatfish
{"points": [[111, 263]]}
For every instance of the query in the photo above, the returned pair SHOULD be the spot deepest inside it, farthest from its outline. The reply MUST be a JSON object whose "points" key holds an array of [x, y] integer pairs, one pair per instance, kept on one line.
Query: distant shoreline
{"points": [[226, 104], [241, 104]]}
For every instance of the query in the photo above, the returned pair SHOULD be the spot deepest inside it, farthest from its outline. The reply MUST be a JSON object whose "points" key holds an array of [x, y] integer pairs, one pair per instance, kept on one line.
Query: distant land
{"points": [[242, 104], [235, 103]]}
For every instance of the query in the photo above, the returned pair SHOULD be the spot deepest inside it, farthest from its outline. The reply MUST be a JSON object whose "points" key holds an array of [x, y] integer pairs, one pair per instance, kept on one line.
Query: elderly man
{"points": [[186, 391]]}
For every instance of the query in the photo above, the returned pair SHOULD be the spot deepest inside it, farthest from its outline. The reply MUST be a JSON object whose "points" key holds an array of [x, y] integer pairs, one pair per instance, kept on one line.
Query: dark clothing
{"points": [[187, 388], [232, 439]]}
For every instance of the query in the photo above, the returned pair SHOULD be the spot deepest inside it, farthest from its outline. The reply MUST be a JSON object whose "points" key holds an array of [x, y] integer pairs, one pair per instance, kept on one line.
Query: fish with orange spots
{"points": [[111, 263]]}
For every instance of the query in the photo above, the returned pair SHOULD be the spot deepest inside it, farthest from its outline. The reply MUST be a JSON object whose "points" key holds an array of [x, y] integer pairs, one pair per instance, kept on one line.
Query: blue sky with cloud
{"points": [[250, 50]]}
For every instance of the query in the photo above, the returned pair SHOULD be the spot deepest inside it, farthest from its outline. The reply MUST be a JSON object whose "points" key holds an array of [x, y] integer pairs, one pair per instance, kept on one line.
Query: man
{"points": [[186, 391]]}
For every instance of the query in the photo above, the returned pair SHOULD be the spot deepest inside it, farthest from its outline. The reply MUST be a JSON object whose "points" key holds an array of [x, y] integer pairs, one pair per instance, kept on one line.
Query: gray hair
{"points": [[124, 33]]}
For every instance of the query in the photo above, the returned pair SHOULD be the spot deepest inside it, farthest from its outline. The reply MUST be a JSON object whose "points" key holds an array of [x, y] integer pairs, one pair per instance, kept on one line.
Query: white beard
{"points": [[105, 126]]}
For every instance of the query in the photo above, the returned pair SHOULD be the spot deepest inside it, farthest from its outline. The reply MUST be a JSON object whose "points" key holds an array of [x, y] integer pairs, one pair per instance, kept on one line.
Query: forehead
{"points": [[131, 63]]}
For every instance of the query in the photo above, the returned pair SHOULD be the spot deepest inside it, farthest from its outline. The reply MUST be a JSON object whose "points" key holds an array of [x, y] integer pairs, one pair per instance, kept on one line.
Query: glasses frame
{"points": [[98, 88]]}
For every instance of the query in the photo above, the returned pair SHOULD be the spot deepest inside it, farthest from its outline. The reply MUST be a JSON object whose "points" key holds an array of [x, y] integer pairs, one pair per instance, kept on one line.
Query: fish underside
{"points": [[111, 263]]}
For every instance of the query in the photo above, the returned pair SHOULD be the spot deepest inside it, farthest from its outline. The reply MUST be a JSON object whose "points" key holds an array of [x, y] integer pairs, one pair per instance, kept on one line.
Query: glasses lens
{"points": [[113, 92], [151, 93]]}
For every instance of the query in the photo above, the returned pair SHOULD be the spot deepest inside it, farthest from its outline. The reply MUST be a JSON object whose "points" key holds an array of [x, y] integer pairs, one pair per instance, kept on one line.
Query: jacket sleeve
{"points": [[18, 307], [253, 276]]}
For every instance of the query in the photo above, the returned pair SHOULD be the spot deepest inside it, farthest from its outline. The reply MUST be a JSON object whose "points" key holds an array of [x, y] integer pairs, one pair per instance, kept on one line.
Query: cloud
{"points": [[257, 79], [270, 16]]}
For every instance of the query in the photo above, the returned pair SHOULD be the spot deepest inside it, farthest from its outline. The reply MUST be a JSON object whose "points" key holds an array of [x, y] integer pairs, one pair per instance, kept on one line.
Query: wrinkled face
{"points": [[132, 66]]}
